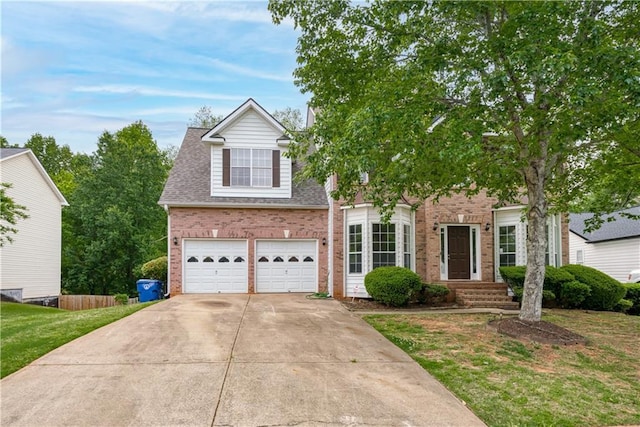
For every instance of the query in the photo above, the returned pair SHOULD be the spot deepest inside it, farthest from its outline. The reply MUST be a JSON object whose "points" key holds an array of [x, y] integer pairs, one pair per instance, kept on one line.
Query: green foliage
{"points": [[121, 299], [155, 269], [434, 77], [554, 278], [623, 306], [394, 286], [633, 295], [431, 293], [573, 293], [205, 118], [115, 221], [290, 118], [605, 291], [10, 214], [514, 276]]}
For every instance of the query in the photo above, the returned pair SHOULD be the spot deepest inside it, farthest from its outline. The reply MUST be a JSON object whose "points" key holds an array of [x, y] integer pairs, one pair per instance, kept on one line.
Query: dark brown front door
{"points": [[459, 254]]}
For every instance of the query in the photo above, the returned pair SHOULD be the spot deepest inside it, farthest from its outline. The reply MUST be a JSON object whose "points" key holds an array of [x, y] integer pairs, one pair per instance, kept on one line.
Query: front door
{"points": [[459, 254]]}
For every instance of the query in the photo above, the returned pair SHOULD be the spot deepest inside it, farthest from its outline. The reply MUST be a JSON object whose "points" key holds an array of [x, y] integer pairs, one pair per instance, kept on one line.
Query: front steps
{"points": [[481, 295]]}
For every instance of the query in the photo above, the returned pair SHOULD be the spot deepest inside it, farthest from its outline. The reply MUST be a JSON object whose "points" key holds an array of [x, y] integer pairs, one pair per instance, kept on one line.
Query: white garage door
{"points": [[286, 266], [215, 266]]}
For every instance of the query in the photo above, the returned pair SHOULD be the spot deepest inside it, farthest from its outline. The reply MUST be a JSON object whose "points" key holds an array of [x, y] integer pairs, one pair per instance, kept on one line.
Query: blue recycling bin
{"points": [[149, 290]]}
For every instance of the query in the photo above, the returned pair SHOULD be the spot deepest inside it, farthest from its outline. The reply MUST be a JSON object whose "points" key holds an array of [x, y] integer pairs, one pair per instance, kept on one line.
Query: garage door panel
{"points": [[216, 266], [286, 266]]}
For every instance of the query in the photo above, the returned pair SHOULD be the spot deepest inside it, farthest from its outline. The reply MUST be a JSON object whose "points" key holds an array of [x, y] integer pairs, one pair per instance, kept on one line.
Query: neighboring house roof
{"points": [[10, 153], [622, 228], [189, 182]]}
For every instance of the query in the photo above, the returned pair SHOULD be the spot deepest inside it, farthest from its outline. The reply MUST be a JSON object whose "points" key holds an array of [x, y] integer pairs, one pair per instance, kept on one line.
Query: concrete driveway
{"points": [[231, 360]]}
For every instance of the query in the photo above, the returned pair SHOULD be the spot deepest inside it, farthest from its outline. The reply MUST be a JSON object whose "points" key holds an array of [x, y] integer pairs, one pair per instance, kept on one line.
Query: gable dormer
{"points": [[247, 159]]}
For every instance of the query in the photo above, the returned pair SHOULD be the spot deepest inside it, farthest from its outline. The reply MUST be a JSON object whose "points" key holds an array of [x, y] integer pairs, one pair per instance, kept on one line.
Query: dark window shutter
{"points": [[226, 167], [275, 168]]}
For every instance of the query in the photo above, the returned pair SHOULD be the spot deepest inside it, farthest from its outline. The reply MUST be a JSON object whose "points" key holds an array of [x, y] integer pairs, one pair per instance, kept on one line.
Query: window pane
{"points": [[261, 168], [355, 248], [507, 245], [383, 245]]}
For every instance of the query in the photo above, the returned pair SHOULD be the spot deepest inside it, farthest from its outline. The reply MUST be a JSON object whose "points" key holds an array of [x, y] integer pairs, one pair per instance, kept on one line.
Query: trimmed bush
{"points": [[431, 293], [573, 293], [633, 295], [155, 269], [514, 276], [605, 291], [555, 277], [393, 286], [623, 305]]}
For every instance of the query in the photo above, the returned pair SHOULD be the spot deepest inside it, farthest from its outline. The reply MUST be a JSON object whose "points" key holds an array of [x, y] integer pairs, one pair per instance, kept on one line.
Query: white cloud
{"points": [[251, 72]]}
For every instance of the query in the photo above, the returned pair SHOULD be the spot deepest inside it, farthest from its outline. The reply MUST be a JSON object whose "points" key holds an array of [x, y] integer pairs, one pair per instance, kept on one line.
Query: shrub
{"points": [[121, 299], [573, 293], [633, 295], [605, 291], [394, 286], [514, 276], [555, 277], [155, 269], [431, 293], [623, 305]]}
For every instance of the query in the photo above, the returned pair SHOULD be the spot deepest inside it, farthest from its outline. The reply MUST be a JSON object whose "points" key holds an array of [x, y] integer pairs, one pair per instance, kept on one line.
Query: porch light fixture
{"points": [[435, 226], [324, 241], [175, 240], [487, 226]]}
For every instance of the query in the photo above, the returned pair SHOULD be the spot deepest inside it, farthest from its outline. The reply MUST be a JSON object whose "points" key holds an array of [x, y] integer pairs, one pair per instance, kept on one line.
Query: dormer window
{"points": [[247, 167]]}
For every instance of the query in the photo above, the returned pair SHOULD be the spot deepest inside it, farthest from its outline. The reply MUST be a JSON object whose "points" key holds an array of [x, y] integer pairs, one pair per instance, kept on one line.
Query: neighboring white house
{"points": [[614, 248], [30, 266]]}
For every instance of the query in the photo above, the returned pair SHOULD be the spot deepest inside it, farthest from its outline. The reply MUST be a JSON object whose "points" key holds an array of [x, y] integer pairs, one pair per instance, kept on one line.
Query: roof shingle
{"points": [[622, 228], [189, 182]]}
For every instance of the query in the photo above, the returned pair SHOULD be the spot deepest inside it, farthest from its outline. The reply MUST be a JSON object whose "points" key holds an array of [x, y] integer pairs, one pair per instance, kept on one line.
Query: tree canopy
{"points": [[204, 118], [116, 221], [530, 101]]}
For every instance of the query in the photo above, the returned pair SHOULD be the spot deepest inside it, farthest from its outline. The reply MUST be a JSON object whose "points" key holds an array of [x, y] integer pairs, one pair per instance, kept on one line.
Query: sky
{"points": [[73, 70]]}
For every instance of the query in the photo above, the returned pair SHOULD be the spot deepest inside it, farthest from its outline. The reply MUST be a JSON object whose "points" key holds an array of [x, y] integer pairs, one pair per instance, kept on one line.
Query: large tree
{"points": [[117, 223], [204, 118], [522, 99]]}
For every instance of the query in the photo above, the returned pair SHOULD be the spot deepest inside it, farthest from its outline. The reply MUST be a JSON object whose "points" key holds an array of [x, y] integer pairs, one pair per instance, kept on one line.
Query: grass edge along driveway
{"points": [[511, 383], [28, 332]]}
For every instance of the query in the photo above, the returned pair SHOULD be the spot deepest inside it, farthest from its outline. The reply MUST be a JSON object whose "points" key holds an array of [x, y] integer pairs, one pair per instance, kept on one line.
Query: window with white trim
{"points": [[383, 239], [406, 243], [251, 167], [507, 245], [355, 248]]}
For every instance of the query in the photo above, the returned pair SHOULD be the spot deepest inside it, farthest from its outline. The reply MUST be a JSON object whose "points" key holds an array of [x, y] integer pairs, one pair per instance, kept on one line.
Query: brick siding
{"points": [[249, 224]]}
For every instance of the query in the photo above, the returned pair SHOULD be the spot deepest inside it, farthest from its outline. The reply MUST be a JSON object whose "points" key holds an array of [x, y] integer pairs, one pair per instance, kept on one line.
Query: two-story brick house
{"points": [[238, 222]]}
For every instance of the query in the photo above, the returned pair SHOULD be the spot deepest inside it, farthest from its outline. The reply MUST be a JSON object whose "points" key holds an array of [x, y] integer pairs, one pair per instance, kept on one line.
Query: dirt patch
{"points": [[542, 331]]}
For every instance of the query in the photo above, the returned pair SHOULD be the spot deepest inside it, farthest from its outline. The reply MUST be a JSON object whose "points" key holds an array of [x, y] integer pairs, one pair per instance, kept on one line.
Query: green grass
{"points": [[28, 332], [507, 382]]}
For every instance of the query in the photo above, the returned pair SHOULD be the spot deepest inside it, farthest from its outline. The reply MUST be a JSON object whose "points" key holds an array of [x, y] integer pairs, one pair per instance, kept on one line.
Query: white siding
{"points": [[513, 216], [250, 130], [615, 258], [32, 261], [367, 215]]}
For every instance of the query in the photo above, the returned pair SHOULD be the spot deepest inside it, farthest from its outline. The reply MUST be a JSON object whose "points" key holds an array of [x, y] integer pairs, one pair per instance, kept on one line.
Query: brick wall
{"points": [[250, 224]]}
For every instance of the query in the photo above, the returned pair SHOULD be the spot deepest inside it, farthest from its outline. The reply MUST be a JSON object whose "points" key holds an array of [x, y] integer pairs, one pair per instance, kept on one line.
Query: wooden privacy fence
{"points": [[86, 302]]}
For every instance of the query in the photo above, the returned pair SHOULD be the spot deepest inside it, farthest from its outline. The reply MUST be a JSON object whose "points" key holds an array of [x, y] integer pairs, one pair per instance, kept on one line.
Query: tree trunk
{"points": [[531, 309]]}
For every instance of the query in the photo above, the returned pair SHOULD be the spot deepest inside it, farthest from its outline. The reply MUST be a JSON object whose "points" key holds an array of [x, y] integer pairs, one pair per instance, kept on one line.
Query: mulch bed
{"points": [[542, 331]]}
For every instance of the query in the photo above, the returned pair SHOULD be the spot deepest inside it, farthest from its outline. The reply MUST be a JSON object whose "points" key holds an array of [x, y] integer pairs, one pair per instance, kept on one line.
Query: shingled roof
{"points": [[189, 182], [622, 228]]}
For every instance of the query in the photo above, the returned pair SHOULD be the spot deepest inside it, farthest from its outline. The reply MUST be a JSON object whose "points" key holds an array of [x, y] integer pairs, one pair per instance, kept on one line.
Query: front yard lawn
{"points": [[511, 383], [28, 332]]}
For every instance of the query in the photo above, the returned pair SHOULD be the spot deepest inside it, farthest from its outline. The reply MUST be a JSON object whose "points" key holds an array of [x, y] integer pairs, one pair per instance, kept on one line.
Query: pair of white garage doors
{"points": [[221, 266]]}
